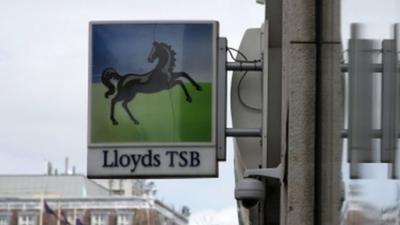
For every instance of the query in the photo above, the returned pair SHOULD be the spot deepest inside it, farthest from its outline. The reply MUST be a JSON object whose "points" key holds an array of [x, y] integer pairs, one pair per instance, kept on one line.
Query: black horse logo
{"points": [[162, 77]]}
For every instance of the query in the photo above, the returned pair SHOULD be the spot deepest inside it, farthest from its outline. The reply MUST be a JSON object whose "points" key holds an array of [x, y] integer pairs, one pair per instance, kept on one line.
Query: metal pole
{"points": [[375, 67], [221, 99], [396, 165], [244, 66], [375, 133], [389, 101], [360, 100], [243, 132]]}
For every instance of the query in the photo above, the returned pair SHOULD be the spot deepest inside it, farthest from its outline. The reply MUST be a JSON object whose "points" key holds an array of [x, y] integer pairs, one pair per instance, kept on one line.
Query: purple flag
{"points": [[47, 209], [78, 222], [64, 219]]}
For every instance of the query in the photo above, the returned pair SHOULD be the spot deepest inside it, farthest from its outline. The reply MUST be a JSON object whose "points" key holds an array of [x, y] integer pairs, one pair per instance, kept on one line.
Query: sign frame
{"points": [[94, 149]]}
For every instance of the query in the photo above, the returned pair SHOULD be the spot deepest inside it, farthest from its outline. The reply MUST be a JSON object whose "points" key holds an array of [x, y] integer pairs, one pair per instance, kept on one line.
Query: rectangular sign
{"points": [[152, 99]]}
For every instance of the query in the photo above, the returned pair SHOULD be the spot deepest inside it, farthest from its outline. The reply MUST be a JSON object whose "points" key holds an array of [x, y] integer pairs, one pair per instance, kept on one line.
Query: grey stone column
{"points": [[313, 89], [299, 77]]}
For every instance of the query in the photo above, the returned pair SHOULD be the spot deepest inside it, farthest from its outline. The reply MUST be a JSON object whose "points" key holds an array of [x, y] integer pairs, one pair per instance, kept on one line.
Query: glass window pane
{"points": [[98, 219], [3, 220]]}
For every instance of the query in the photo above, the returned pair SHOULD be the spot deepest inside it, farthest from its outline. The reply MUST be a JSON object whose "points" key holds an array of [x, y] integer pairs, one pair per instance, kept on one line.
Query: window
{"points": [[99, 219], [73, 215], [163, 220], [124, 219], [4, 219], [70, 218], [118, 192], [27, 219]]}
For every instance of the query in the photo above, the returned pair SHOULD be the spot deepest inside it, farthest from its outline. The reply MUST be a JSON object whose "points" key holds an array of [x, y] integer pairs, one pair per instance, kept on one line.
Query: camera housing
{"points": [[249, 191]]}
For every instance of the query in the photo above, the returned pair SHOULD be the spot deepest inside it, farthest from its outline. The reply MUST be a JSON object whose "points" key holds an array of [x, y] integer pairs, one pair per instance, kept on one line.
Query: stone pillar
{"points": [[299, 87], [313, 90]]}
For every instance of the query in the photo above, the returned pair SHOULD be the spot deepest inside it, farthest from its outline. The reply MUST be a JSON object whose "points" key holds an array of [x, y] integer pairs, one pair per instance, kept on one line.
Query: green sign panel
{"points": [[152, 107]]}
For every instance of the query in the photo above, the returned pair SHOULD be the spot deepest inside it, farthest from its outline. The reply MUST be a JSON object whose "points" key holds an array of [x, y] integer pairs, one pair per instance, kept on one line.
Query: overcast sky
{"points": [[378, 16], [44, 74]]}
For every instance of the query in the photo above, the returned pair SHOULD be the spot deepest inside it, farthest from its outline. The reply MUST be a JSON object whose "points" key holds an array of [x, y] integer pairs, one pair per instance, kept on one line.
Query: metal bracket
{"points": [[223, 66], [275, 173], [243, 66]]}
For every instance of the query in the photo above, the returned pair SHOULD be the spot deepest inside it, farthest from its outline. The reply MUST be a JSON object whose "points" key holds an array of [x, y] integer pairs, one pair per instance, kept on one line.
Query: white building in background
{"points": [[74, 198], [128, 187]]}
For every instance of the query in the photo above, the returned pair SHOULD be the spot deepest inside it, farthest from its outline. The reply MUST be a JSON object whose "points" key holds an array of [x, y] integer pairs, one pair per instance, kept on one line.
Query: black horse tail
{"points": [[106, 77]]}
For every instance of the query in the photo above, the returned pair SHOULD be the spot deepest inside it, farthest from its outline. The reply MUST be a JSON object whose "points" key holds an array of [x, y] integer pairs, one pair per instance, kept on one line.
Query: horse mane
{"points": [[173, 59]]}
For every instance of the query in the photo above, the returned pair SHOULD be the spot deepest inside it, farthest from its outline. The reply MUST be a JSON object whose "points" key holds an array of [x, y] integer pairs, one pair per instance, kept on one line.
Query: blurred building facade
{"points": [[128, 187], [71, 199]]}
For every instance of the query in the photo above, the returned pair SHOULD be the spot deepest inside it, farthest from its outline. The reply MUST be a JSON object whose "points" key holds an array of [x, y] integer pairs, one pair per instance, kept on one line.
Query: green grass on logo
{"points": [[164, 117]]}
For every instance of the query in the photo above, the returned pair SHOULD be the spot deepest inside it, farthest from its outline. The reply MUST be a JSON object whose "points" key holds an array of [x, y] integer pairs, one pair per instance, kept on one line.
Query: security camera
{"points": [[249, 191]]}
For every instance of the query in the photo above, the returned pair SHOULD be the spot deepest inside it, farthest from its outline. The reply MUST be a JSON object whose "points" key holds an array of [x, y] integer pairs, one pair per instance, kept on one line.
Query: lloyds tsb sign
{"points": [[152, 99], [113, 159]]}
